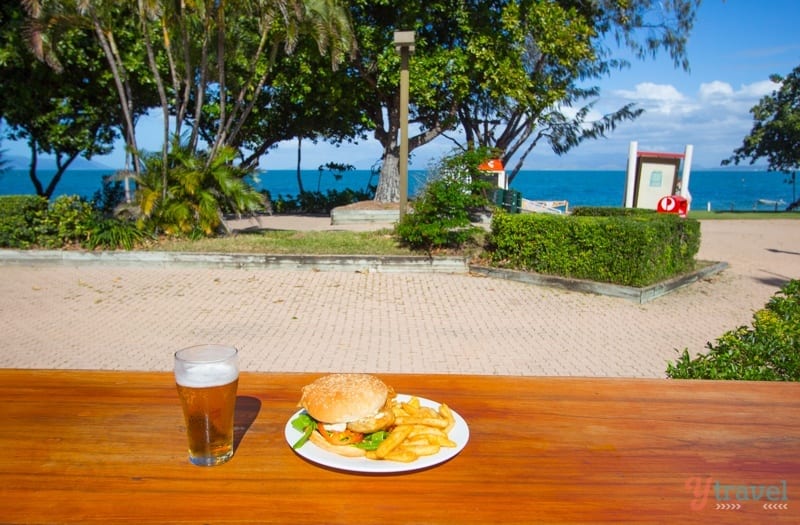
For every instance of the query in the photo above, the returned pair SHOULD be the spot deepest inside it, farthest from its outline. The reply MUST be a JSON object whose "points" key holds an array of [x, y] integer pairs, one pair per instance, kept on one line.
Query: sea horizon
{"points": [[719, 189]]}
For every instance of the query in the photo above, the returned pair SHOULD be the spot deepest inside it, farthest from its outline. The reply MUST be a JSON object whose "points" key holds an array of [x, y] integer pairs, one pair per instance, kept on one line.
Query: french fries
{"points": [[419, 431]]}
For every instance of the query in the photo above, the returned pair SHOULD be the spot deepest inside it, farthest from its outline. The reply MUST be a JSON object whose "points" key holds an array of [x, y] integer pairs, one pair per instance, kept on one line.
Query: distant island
{"points": [[15, 162]]}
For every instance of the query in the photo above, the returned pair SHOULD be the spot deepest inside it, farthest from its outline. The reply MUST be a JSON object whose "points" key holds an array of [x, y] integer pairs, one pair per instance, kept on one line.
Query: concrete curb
{"points": [[356, 263], [346, 216], [639, 295], [351, 263]]}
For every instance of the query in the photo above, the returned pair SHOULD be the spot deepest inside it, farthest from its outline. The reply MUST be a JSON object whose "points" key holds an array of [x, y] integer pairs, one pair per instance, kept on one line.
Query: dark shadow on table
{"points": [[247, 409]]}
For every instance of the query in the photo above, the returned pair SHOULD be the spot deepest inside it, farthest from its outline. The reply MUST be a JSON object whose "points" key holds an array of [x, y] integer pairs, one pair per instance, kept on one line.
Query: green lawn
{"points": [[379, 242], [748, 215]]}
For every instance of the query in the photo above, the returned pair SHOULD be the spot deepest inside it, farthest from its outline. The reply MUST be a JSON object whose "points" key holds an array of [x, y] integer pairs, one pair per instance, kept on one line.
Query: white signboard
{"points": [[655, 178]]}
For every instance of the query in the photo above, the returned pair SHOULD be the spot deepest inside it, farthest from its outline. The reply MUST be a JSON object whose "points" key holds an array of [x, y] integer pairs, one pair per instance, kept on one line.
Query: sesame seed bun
{"points": [[343, 398]]}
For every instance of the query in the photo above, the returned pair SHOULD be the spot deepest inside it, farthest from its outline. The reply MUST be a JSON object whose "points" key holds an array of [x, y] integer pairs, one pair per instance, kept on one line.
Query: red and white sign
{"points": [[673, 204], [492, 165]]}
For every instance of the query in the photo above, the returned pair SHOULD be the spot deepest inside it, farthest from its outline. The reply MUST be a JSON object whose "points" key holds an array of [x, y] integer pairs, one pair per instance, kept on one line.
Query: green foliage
{"points": [[776, 130], [109, 196], [767, 351], [17, 216], [31, 221], [68, 221], [318, 202], [67, 106], [606, 211], [441, 216], [634, 250], [112, 233], [198, 189]]}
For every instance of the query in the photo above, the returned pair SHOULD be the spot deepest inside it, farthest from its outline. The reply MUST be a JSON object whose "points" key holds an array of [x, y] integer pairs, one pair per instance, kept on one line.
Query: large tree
{"points": [[208, 61], [66, 112], [776, 131], [503, 69]]}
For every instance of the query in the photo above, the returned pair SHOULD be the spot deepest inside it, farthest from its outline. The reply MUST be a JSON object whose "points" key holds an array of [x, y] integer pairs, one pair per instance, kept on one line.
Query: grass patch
{"points": [[380, 242], [744, 215]]}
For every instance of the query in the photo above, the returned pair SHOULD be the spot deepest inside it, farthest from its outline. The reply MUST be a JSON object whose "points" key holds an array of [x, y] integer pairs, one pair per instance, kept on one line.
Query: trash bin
{"points": [[673, 204], [509, 200]]}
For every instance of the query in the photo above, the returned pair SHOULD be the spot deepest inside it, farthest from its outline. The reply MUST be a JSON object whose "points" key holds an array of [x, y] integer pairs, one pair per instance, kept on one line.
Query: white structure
{"points": [[654, 175], [495, 167]]}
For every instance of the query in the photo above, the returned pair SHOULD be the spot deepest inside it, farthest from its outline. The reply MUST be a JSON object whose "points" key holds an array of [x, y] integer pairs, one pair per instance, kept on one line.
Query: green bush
{"points": [[318, 202], [441, 215], [768, 351], [606, 211], [114, 233], [28, 221], [632, 249], [17, 218], [67, 221]]}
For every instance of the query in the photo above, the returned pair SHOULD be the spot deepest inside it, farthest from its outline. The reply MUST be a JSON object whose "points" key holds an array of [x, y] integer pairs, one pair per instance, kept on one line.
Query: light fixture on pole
{"points": [[404, 44]]}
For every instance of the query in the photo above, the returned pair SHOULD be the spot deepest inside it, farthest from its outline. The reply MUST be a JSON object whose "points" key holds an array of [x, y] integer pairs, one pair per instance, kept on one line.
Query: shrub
{"points": [[634, 249], [768, 351], [109, 196], [113, 233], [196, 192], [17, 217], [67, 221], [27, 221], [318, 202], [441, 216]]}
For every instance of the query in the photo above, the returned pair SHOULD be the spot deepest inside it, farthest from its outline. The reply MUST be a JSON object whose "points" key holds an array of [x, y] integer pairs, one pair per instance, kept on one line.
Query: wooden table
{"points": [[109, 447]]}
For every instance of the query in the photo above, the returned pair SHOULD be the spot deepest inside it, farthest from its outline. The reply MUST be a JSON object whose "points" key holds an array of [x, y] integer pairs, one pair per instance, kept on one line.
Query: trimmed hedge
{"points": [[769, 351], [622, 247]]}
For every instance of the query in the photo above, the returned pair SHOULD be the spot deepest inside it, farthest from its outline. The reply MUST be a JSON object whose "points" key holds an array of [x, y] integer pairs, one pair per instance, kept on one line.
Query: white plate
{"points": [[459, 434]]}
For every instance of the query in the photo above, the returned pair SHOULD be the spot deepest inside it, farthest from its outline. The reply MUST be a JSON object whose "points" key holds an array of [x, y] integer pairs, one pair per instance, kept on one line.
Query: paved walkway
{"points": [[115, 317]]}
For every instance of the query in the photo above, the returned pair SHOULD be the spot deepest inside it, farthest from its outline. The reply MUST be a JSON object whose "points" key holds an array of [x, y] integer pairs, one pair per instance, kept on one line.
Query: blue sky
{"points": [[733, 49]]}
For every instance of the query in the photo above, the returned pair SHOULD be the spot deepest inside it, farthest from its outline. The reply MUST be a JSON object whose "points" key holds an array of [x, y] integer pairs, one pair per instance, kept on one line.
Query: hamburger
{"points": [[347, 414]]}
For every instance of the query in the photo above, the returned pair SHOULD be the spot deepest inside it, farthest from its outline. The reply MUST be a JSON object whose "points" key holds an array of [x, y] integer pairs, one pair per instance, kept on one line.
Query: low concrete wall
{"points": [[639, 295], [350, 216], [348, 263]]}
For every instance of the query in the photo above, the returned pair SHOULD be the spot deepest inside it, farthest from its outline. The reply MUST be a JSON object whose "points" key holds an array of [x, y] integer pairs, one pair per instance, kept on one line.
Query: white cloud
{"points": [[714, 118], [663, 99], [715, 89], [759, 89], [655, 92]]}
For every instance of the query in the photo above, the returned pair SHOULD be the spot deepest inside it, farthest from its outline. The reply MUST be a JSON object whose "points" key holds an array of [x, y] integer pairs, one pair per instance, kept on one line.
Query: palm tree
{"points": [[196, 191]]}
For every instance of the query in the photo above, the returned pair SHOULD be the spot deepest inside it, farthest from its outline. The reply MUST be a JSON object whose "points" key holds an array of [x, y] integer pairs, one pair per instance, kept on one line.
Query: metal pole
{"points": [[404, 44], [403, 130]]}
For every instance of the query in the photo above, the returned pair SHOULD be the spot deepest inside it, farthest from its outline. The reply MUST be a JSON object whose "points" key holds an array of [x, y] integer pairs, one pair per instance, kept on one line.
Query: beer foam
{"points": [[206, 374]]}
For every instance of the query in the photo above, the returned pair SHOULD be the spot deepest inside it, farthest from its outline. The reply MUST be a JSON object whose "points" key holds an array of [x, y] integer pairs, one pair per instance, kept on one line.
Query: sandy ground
{"points": [[133, 318]]}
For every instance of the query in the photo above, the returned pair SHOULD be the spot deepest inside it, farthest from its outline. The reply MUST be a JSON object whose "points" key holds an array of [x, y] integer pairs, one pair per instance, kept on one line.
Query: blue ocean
{"points": [[718, 190]]}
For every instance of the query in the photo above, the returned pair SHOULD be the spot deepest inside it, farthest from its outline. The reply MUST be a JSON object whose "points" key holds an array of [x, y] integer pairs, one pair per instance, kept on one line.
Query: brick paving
{"points": [[133, 318]]}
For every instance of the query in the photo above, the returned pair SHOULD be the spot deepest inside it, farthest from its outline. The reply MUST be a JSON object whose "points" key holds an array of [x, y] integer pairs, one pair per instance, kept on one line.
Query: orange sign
{"points": [[492, 165]]}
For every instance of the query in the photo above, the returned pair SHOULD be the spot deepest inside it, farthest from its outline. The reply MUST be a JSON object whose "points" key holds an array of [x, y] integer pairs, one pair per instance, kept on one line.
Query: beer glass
{"points": [[207, 377]]}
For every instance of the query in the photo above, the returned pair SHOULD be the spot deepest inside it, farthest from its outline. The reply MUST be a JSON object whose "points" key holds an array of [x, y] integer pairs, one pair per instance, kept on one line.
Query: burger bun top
{"points": [[341, 398]]}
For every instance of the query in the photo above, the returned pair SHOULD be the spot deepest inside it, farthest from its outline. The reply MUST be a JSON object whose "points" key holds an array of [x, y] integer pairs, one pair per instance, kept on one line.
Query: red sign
{"points": [[673, 204]]}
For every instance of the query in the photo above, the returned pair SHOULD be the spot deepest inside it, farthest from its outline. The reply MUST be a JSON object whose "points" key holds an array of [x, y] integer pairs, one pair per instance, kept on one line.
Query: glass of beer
{"points": [[207, 377]]}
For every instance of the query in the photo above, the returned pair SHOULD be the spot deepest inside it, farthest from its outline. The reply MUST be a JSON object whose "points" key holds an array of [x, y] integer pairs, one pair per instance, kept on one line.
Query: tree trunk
{"points": [[299, 171], [388, 189]]}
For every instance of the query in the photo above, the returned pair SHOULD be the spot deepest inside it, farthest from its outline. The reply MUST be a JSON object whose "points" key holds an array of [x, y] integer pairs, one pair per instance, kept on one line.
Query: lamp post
{"points": [[404, 44]]}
